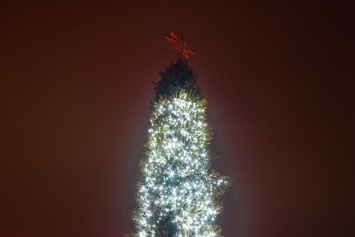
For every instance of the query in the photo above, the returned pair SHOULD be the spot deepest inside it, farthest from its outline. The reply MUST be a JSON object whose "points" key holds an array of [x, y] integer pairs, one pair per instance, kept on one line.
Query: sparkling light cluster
{"points": [[178, 190]]}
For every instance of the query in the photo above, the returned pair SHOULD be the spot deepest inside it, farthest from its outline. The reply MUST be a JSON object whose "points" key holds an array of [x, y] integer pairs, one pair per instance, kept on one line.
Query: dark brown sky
{"points": [[76, 88]]}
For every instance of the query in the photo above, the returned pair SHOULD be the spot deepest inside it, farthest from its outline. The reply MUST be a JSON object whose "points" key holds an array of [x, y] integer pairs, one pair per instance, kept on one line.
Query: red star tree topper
{"points": [[180, 45]]}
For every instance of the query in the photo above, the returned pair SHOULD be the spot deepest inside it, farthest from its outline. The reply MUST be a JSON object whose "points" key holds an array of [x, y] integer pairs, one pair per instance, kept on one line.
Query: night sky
{"points": [[76, 87]]}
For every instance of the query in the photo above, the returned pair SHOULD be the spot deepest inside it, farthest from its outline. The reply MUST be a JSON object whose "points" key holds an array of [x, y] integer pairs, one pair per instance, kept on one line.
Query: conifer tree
{"points": [[178, 191]]}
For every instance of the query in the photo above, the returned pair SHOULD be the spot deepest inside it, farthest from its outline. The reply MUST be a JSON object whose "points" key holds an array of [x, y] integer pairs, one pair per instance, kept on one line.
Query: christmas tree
{"points": [[178, 190]]}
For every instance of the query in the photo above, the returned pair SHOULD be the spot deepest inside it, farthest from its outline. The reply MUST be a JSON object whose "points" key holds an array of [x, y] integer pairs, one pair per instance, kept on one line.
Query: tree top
{"points": [[175, 78]]}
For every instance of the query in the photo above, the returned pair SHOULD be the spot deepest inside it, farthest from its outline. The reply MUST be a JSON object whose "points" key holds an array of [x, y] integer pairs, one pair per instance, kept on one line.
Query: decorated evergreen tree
{"points": [[178, 190]]}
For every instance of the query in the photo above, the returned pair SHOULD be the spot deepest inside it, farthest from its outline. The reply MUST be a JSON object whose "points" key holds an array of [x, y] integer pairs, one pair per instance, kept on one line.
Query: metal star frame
{"points": [[179, 44]]}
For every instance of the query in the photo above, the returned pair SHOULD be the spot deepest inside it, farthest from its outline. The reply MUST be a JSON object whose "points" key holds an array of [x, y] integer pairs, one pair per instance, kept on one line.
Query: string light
{"points": [[178, 192]]}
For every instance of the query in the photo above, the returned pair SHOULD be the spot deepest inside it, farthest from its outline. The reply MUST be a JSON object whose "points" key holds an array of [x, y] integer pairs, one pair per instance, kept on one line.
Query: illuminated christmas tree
{"points": [[178, 191]]}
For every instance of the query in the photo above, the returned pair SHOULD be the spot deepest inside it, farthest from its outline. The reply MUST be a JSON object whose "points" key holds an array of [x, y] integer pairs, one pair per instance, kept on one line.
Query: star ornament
{"points": [[179, 45]]}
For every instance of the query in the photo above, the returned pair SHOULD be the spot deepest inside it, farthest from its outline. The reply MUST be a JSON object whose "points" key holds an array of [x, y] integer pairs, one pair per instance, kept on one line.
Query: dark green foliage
{"points": [[166, 227], [175, 78]]}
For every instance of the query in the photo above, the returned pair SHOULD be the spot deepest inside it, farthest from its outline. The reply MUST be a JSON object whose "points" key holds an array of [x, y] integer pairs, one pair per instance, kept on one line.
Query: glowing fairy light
{"points": [[178, 192]]}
